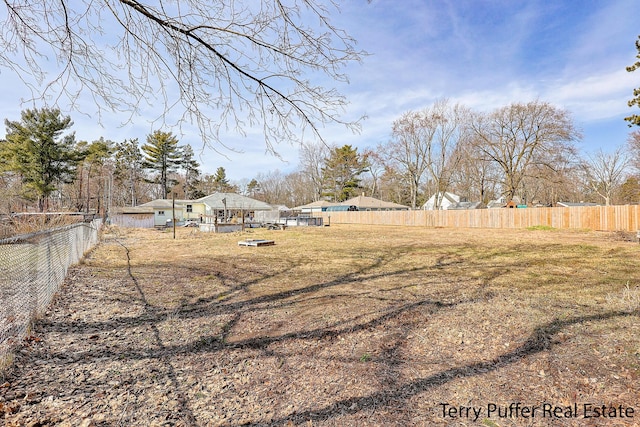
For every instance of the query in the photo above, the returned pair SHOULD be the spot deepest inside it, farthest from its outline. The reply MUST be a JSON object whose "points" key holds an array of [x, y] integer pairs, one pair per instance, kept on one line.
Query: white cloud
{"points": [[595, 97], [483, 54]]}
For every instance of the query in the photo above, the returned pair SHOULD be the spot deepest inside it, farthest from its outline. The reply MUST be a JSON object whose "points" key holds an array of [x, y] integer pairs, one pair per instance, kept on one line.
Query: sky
{"points": [[484, 54]]}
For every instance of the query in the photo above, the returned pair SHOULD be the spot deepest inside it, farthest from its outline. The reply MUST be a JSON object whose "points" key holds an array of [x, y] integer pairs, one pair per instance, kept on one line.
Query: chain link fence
{"points": [[133, 221], [32, 268]]}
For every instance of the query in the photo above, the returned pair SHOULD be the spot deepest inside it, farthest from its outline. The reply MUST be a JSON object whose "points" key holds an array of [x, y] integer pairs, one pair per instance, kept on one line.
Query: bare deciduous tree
{"points": [[549, 186], [520, 136], [298, 189], [218, 65], [393, 186], [445, 151], [273, 187], [407, 149], [604, 172], [633, 145], [476, 176], [376, 169], [427, 140], [312, 158]]}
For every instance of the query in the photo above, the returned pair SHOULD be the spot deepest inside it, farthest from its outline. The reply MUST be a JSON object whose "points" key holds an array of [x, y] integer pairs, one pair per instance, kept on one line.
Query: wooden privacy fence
{"points": [[604, 218]]}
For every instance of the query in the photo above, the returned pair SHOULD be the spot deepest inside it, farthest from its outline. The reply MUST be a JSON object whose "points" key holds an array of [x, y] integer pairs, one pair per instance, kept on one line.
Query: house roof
{"points": [[366, 202], [465, 206], [163, 203], [316, 204], [573, 204], [280, 208], [233, 201], [134, 210], [450, 197]]}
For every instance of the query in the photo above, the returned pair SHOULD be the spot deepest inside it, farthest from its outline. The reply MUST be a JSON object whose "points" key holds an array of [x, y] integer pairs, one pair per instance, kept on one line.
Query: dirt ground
{"points": [[338, 326]]}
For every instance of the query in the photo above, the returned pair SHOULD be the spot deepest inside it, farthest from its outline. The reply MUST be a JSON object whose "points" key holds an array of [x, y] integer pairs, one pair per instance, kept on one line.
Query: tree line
{"points": [[44, 167], [524, 151], [251, 69]]}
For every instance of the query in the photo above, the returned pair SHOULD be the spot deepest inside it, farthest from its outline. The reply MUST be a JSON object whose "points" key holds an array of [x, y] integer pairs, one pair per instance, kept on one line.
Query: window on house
{"points": [[160, 213], [189, 208]]}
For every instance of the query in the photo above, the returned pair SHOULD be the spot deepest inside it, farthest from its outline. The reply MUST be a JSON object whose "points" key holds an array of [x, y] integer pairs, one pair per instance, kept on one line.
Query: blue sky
{"points": [[487, 54], [482, 53]]}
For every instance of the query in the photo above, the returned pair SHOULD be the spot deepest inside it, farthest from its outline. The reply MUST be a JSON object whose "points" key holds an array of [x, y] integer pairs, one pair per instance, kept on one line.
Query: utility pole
{"points": [[224, 202]]}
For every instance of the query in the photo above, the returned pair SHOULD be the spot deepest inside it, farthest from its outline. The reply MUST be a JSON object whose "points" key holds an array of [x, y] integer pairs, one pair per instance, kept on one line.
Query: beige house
{"points": [[217, 207], [164, 210], [225, 206]]}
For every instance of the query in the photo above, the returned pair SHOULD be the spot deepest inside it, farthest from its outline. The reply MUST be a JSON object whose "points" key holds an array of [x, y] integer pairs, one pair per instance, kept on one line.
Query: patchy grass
{"points": [[541, 228], [342, 325]]}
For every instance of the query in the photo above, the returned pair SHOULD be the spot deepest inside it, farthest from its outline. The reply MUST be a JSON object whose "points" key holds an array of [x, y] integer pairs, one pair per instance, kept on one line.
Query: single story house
{"points": [[226, 206], [164, 210], [365, 203], [213, 208]]}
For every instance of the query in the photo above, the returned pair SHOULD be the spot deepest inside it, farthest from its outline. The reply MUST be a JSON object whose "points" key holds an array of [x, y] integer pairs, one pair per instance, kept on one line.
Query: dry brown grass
{"points": [[345, 325], [26, 224]]}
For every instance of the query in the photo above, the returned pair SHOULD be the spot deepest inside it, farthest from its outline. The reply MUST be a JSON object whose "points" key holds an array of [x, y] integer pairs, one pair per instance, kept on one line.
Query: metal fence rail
{"points": [[32, 268]]}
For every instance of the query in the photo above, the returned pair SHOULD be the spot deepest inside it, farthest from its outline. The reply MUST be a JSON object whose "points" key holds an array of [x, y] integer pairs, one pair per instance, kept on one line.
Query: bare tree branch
{"points": [[523, 137], [604, 172], [235, 64]]}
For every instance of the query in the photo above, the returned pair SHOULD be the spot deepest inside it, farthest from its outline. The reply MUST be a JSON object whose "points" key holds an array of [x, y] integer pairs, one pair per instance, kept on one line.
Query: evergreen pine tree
{"points": [[36, 149], [162, 154]]}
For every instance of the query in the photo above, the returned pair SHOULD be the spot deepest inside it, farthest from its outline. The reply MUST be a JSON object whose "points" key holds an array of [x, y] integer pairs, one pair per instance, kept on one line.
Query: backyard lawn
{"points": [[338, 326]]}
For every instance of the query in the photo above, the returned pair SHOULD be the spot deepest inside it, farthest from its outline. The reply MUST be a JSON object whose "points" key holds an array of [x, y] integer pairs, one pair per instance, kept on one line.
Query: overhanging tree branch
{"points": [[236, 63]]}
